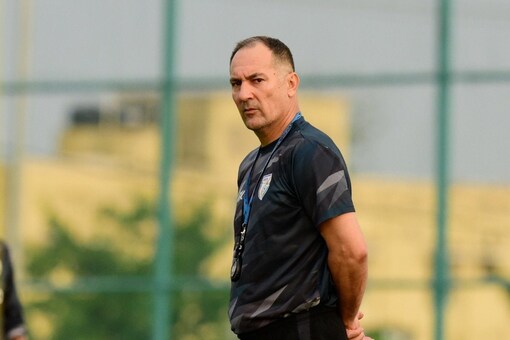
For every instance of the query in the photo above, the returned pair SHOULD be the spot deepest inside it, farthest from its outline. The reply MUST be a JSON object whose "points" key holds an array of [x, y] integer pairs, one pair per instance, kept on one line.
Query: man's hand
{"points": [[355, 331]]}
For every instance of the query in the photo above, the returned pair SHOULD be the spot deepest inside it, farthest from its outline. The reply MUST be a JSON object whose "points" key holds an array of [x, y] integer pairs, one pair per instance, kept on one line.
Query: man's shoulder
{"points": [[310, 132], [250, 156], [309, 138], [247, 161]]}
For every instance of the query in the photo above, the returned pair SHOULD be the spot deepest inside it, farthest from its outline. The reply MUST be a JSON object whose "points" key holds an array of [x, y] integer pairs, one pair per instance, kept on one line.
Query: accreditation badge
{"points": [[264, 185]]}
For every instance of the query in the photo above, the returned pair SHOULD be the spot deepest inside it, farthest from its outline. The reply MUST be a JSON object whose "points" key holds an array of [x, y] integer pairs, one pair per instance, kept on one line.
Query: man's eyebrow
{"points": [[250, 77], [255, 75]]}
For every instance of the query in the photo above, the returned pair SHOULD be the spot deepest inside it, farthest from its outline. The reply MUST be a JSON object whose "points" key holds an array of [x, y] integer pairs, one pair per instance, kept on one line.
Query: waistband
{"points": [[300, 320]]}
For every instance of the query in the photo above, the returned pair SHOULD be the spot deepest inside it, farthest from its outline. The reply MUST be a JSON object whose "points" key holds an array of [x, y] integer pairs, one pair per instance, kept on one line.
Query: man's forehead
{"points": [[253, 54], [250, 67], [255, 59]]}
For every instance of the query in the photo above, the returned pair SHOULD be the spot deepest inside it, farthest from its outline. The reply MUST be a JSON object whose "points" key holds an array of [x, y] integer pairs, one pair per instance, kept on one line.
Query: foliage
{"points": [[103, 302], [388, 333]]}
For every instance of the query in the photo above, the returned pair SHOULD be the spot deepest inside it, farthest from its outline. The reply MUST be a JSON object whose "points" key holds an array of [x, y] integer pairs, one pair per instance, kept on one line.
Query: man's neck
{"points": [[273, 132]]}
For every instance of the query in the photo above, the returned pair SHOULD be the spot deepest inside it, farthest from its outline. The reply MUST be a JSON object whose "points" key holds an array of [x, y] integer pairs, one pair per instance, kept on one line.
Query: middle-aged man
{"points": [[299, 269]]}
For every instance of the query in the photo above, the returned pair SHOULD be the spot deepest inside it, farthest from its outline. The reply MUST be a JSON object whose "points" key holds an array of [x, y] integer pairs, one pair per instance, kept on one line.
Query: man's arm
{"points": [[347, 261]]}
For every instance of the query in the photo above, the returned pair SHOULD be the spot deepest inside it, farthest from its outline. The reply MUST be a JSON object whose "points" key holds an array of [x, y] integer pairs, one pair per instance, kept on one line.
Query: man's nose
{"points": [[245, 92]]}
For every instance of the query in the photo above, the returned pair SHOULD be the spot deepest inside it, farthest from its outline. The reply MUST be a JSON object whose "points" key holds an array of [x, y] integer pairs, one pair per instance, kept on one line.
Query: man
{"points": [[12, 318], [300, 261]]}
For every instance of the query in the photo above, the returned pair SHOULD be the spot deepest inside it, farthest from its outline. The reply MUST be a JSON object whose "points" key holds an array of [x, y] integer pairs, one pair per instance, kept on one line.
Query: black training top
{"points": [[284, 263]]}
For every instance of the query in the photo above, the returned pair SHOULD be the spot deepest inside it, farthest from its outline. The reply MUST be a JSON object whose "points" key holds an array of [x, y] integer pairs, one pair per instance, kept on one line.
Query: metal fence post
{"points": [[164, 254], [441, 283]]}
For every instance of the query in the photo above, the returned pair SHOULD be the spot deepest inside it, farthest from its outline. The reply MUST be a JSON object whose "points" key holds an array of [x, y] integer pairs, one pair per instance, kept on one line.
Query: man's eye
{"points": [[235, 83], [258, 80]]}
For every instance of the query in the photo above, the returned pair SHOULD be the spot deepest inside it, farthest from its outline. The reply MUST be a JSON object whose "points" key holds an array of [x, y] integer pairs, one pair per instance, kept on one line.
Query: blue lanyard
{"points": [[247, 202]]}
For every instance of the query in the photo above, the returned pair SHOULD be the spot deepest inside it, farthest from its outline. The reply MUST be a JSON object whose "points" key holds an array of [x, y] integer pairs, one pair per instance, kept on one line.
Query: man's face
{"points": [[259, 87]]}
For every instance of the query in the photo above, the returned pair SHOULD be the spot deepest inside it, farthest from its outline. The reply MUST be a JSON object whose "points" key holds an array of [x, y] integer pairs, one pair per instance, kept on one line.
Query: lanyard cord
{"points": [[248, 201]]}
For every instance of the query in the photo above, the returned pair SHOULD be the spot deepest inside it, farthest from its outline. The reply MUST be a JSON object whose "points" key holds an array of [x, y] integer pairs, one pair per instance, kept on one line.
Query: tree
{"points": [[111, 297]]}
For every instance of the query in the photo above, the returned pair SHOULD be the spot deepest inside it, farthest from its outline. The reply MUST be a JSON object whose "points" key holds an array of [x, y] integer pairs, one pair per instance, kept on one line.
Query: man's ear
{"points": [[292, 84]]}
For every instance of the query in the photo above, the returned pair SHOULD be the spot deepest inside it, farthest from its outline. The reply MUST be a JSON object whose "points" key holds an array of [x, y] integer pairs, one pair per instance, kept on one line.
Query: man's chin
{"points": [[253, 124]]}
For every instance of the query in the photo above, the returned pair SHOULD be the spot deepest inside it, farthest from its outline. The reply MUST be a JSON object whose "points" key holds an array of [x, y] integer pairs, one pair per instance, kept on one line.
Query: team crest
{"points": [[264, 185]]}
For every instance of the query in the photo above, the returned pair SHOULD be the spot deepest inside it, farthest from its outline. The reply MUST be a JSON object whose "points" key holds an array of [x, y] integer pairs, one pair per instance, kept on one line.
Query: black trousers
{"points": [[318, 323]]}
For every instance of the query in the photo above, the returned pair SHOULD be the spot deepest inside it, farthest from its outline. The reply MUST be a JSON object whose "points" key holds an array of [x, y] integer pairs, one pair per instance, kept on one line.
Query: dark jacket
{"points": [[12, 317]]}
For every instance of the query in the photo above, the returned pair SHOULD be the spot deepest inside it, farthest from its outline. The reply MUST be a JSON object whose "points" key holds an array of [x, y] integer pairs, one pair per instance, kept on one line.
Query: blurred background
{"points": [[119, 147]]}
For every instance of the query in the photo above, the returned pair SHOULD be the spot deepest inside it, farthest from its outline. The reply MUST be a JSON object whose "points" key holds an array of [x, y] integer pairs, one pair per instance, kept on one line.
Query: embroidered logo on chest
{"points": [[264, 185]]}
